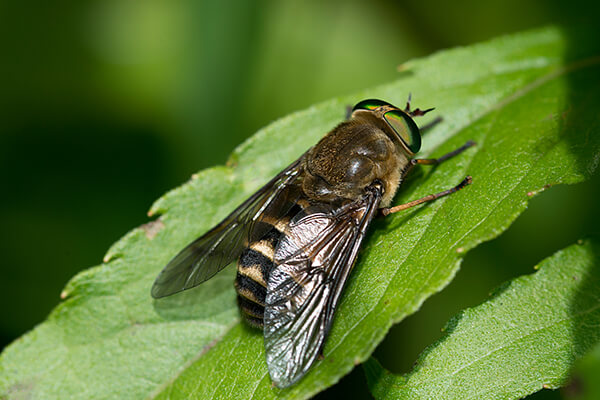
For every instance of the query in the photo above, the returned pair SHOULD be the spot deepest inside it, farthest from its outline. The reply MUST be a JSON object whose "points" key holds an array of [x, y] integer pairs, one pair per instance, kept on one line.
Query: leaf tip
{"points": [[156, 209], [110, 256]]}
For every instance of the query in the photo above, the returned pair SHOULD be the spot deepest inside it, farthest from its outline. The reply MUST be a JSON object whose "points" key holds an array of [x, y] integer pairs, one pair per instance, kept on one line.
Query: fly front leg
{"points": [[435, 161], [389, 210], [429, 125]]}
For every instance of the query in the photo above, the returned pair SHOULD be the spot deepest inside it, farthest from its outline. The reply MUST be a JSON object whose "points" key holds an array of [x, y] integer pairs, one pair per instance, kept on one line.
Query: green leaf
{"points": [[524, 99], [525, 338]]}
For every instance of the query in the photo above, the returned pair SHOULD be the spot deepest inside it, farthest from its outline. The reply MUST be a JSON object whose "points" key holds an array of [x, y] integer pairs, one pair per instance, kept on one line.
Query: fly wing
{"points": [[217, 248], [312, 263]]}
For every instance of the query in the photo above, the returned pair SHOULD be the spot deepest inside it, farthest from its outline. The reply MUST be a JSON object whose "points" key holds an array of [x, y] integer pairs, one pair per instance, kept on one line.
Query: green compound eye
{"points": [[405, 128], [370, 104]]}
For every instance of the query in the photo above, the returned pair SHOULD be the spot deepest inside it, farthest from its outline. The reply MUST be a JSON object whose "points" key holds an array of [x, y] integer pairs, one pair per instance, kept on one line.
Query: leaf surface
{"points": [[525, 338]]}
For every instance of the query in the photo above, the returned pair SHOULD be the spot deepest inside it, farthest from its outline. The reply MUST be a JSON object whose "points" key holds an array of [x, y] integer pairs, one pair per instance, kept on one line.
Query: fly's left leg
{"points": [[429, 125], [389, 210], [435, 161]]}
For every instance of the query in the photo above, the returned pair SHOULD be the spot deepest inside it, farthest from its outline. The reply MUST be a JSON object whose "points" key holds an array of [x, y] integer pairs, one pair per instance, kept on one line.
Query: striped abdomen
{"points": [[253, 269]]}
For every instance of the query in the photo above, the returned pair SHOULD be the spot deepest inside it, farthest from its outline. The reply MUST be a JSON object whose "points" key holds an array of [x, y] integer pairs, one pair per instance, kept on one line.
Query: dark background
{"points": [[105, 105]]}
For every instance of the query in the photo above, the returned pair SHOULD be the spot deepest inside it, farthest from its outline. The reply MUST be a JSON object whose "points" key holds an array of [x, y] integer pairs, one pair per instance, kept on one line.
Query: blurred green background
{"points": [[105, 105]]}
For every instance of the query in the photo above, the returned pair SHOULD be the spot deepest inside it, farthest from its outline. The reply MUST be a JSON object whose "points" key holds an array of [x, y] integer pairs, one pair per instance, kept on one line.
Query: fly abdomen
{"points": [[256, 263], [251, 299], [253, 269]]}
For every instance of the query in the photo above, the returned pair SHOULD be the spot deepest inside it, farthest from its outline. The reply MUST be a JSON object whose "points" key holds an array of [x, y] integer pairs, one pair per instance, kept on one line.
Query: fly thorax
{"points": [[346, 161]]}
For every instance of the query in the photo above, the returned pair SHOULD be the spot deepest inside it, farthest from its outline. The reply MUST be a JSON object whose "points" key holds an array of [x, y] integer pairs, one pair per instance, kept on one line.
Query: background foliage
{"points": [[524, 338], [106, 105]]}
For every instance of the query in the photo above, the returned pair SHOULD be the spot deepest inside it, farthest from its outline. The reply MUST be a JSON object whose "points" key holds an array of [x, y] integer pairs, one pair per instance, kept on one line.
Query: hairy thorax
{"points": [[349, 159]]}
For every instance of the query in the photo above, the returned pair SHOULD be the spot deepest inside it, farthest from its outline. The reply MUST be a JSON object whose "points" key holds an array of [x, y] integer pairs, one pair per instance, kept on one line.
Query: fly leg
{"points": [[430, 125], [435, 161], [389, 210]]}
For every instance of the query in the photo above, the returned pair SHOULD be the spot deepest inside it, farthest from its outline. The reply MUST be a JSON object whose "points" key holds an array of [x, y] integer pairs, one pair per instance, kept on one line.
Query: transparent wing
{"points": [[313, 261], [216, 249]]}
